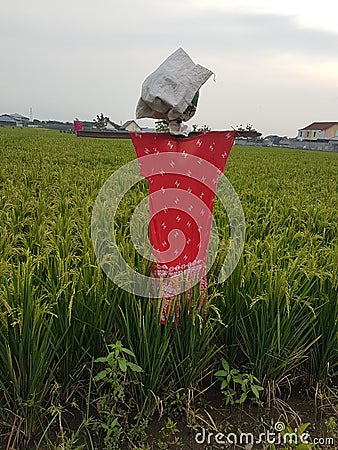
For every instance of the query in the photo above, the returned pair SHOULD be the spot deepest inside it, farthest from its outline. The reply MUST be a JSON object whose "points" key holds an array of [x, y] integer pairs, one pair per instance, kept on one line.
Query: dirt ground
{"points": [[211, 425]]}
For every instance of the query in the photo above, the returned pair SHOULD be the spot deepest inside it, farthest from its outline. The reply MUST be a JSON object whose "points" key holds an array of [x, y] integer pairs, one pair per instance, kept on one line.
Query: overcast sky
{"points": [[275, 63]]}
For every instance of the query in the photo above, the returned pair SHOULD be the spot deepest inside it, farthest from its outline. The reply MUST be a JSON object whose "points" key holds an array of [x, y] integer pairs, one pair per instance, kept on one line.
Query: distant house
{"points": [[20, 119], [271, 140], [318, 131], [131, 125], [7, 121], [14, 120], [112, 126]]}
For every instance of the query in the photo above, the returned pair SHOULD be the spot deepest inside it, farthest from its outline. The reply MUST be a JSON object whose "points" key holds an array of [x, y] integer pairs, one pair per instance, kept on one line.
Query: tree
{"points": [[197, 128], [101, 121], [204, 128], [248, 127], [249, 130], [161, 126]]}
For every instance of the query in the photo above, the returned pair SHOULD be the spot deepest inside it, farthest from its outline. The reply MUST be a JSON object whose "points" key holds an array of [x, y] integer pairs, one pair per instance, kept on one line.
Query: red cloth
{"points": [[77, 126], [182, 177]]}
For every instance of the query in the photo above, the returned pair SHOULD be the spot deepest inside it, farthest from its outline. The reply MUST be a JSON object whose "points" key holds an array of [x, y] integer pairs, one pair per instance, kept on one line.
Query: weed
{"points": [[237, 387]]}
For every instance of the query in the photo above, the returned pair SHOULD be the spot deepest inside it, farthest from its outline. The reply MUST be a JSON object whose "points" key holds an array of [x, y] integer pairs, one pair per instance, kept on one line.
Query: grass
{"points": [[275, 317]]}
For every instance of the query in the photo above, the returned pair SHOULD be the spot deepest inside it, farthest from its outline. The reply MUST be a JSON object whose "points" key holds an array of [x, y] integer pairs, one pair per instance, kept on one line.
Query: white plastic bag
{"points": [[169, 91]]}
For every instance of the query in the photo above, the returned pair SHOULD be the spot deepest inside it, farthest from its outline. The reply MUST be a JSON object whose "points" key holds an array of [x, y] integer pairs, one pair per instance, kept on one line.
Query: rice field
{"points": [[276, 317]]}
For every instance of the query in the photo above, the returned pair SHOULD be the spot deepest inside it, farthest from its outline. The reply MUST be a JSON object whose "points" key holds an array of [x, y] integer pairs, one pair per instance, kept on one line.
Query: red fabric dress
{"points": [[182, 175]]}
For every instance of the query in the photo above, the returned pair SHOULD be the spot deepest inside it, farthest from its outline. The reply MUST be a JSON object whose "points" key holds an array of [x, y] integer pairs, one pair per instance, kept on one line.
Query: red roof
{"points": [[320, 125]]}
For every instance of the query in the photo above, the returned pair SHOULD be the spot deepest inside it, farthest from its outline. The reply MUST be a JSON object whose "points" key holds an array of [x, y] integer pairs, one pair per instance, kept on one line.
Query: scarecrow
{"points": [[182, 176]]}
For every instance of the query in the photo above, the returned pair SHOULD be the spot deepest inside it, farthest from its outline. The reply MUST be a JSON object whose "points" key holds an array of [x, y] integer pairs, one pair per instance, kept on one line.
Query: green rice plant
{"points": [[175, 356], [193, 346], [282, 338], [27, 353], [277, 312], [284, 271], [84, 320], [323, 364], [138, 323]]}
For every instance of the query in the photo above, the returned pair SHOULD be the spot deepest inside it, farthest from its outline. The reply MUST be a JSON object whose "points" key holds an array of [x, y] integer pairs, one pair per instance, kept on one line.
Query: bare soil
{"points": [[211, 425]]}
